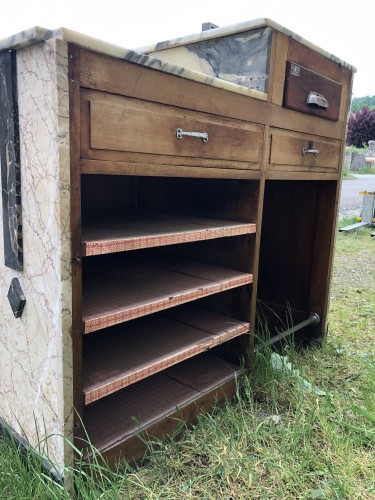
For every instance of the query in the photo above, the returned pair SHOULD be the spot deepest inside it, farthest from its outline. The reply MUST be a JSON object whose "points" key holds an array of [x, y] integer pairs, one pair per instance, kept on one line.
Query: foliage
{"points": [[353, 149], [361, 128], [360, 102]]}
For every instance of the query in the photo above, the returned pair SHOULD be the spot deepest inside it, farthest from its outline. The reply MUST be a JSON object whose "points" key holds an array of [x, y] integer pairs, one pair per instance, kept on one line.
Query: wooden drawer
{"points": [[127, 129], [294, 151], [301, 82]]}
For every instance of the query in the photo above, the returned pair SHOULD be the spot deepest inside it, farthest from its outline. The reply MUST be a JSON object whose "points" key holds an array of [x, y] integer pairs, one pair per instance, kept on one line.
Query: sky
{"points": [[344, 28]]}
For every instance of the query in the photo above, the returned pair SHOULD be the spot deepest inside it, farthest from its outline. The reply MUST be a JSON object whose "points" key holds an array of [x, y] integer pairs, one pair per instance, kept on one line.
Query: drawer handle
{"points": [[314, 152], [201, 135], [316, 100]]}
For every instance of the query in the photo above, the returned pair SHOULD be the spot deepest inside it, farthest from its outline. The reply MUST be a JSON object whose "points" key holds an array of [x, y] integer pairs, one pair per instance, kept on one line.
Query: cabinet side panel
{"points": [[35, 349]]}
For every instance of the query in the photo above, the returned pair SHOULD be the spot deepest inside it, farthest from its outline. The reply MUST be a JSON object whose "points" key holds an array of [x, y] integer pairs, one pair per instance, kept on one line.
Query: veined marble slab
{"points": [[36, 375], [38, 34], [211, 76], [240, 58], [236, 29]]}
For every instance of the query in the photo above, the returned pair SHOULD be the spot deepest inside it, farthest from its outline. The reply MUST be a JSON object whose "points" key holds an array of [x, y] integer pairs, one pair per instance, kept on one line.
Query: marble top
{"points": [[239, 28], [38, 34]]}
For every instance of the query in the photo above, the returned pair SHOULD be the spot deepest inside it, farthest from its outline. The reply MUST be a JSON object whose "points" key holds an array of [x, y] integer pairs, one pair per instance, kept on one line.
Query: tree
{"points": [[361, 128], [360, 102]]}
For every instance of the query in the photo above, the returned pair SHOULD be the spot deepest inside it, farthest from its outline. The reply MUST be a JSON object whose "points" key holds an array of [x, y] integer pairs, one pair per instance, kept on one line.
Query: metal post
{"points": [[312, 320]]}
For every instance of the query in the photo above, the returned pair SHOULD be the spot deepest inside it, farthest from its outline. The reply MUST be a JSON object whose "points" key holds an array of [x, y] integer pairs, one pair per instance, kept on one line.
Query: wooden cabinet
{"points": [[181, 202], [180, 236]]}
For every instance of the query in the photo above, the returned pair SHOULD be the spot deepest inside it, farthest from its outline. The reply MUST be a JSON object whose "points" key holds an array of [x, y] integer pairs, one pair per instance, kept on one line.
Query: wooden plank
{"points": [[278, 67], [347, 81], [163, 170], [142, 406], [136, 289], [302, 176], [133, 447], [313, 60], [303, 168], [119, 231], [123, 124], [126, 354], [120, 77], [10, 162], [327, 201], [75, 228], [201, 373]]}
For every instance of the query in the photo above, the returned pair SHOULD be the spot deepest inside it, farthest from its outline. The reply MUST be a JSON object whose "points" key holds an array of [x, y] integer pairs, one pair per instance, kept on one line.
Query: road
{"points": [[351, 200]]}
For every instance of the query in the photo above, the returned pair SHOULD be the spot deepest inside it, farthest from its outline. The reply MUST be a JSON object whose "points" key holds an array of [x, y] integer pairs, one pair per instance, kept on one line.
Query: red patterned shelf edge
{"points": [[111, 319], [90, 249], [122, 382]]}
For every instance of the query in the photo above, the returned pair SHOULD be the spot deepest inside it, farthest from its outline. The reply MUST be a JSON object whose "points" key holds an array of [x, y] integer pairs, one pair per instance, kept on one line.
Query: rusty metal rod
{"points": [[312, 320]]}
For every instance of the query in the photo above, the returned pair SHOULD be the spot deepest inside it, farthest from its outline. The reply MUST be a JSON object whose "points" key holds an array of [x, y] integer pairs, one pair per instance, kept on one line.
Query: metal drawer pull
{"points": [[201, 135], [314, 152], [316, 100], [310, 149]]}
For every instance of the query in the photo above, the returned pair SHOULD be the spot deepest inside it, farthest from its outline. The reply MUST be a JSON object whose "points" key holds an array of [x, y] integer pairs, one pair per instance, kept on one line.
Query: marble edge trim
{"points": [[37, 34], [26, 38], [239, 28], [138, 56]]}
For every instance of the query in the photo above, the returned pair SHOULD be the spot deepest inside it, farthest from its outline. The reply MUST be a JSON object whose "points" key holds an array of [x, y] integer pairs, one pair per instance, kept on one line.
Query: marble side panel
{"points": [[10, 162], [35, 349], [240, 58]]}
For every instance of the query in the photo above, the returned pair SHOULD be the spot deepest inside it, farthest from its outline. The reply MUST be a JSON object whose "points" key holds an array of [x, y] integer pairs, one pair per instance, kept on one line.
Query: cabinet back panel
{"points": [[228, 199], [287, 241], [107, 192]]}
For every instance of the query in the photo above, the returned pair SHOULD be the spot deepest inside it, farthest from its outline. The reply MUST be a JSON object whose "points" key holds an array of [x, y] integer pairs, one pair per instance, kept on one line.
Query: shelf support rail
{"points": [[312, 320]]}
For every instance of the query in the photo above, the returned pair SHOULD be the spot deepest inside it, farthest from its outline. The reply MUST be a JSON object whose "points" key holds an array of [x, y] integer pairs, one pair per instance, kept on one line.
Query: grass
{"points": [[347, 173], [277, 439], [367, 170]]}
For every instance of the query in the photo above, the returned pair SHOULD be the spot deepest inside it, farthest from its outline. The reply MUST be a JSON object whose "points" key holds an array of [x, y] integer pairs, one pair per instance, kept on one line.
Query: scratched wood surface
{"points": [[135, 289], [120, 416], [125, 354], [106, 231]]}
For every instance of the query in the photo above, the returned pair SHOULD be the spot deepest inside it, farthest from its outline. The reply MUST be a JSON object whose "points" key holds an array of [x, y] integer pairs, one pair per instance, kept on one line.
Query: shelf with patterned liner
{"points": [[142, 406], [134, 288], [109, 231], [128, 353]]}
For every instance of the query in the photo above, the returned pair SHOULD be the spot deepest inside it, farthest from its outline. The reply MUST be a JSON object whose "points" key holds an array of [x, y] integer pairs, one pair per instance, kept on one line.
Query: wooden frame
{"points": [[235, 244]]}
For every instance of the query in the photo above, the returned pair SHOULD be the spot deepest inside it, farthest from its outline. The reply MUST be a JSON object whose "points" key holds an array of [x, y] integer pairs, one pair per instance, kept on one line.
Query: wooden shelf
{"points": [[135, 289], [125, 354], [120, 416], [119, 231]]}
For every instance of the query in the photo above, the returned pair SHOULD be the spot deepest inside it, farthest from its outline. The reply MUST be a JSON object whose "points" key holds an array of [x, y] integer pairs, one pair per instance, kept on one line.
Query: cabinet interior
{"points": [[175, 295], [294, 262]]}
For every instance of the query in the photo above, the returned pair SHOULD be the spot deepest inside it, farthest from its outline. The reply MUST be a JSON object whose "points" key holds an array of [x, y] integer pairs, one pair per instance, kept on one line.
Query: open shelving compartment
{"points": [[295, 254], [167, 290]]}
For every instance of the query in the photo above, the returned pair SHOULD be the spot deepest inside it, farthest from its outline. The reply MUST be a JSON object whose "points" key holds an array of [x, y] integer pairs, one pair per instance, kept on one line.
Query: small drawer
{"points": [[129, 126], [295, 152], [310, 92]]}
